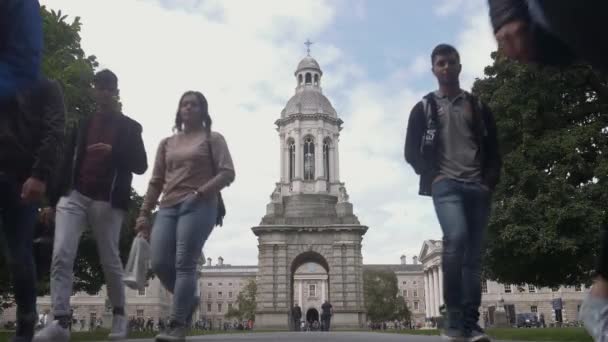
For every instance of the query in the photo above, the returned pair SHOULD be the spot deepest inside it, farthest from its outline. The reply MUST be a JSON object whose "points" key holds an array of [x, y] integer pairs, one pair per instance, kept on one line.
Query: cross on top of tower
{"points": [[308, 43]]}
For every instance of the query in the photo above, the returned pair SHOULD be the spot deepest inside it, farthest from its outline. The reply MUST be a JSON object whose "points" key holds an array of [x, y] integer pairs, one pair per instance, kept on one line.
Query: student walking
{"points": [[451, 143], [104, 152], [190, 169]]}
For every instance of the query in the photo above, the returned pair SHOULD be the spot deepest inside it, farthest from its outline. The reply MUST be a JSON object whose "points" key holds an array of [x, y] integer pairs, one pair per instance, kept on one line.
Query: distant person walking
{"points": [[296, 315], [93, 192], [326, 312], [451, 143], [191, 168]]}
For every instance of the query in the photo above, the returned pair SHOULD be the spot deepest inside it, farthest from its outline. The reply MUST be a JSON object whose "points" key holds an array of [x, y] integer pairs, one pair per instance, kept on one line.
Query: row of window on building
{"points": [[416, 305], [414, 293], [209, 284], [508, 288], [220, 295], [220, 307]]}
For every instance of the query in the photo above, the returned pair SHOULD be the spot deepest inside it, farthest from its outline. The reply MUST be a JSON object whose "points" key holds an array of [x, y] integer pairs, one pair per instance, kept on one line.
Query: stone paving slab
{"points": [[312, 336]]}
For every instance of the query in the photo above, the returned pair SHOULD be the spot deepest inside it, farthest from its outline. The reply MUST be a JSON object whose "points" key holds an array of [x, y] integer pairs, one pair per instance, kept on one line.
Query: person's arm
{"points": [[493, 163], [133, 157], [413, 138], [63, 173], [20, 44], [53, 128], [157, 181], [223, 166]]}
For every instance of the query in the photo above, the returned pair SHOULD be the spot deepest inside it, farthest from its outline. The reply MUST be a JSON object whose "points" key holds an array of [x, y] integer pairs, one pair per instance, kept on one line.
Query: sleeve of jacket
{"points": [[505, 11], [20, 44], [493, 163], [53, 128], [62, 175], [413, 138], [134, 156]]}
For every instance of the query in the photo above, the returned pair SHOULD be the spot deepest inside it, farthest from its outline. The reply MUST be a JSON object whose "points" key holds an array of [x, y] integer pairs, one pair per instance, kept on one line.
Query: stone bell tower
{"points": [[309, 218]]}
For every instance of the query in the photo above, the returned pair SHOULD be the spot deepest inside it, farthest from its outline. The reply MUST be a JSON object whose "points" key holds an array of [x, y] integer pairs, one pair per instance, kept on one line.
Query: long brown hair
{"points": [[202, 101]]}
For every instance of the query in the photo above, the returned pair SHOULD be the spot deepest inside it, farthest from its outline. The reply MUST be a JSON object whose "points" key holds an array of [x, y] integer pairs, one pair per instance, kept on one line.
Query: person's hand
{"points": [[142, 226], [33, 190], [515, 41], [99, 147], [47, 216]]}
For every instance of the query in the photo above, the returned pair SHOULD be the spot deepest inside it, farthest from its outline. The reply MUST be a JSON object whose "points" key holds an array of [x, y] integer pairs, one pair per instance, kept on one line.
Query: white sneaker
{"points": [[53, 332], [119, 328]]}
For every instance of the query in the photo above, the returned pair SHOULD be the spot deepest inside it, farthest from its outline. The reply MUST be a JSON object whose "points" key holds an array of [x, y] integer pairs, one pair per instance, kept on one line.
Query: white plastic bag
{"points": [[138, 264]]}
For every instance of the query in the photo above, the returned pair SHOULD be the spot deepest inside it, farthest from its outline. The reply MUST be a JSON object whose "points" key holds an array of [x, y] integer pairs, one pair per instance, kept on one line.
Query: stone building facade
{"points": [[555, 304]]}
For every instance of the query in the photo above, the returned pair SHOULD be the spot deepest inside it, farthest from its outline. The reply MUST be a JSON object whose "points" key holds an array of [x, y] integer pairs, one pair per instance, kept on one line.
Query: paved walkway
{"points": [[313, 336]]}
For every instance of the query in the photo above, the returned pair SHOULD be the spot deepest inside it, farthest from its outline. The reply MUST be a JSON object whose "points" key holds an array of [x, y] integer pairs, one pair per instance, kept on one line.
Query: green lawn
{"points": [[547, 334]]}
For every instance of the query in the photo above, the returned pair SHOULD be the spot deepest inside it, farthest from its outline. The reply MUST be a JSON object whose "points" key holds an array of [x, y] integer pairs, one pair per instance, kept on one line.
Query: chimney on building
{"points": [[220, 261], [415, 258], [209, 262], [403, 260]]}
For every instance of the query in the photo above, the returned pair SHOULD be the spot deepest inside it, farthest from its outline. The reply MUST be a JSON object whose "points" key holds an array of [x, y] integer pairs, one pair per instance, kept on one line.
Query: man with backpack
{"points": [[451, 143]]}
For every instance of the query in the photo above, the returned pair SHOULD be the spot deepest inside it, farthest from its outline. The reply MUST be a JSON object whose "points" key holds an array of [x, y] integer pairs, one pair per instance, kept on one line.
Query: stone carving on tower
{"points": [[309, 217]]}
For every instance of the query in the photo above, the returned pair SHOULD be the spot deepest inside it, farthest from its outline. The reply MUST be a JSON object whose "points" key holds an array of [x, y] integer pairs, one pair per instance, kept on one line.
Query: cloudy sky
{"points": [[242, 55]]}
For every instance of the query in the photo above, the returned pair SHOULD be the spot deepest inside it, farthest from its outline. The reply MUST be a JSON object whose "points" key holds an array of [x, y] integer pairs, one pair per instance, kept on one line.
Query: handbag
{"points": [[221, 208]]}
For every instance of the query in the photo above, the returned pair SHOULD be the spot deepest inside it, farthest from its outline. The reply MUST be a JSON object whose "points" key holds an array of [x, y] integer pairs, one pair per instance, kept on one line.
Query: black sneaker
{"points": [[478, 335], [452, 335]]}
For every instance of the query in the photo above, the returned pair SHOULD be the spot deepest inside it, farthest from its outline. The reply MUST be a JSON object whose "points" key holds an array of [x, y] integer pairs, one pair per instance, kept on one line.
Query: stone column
{"points": [[319, 167], [432, 292], [336, 159], [299, 155], [283, 150], [427, 295], [323, 291], [437, 291], [300, 290], [440, 270]]}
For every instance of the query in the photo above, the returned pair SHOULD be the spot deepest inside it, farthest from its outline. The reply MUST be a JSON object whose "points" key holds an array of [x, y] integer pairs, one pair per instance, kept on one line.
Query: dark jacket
{"points": [[31, 131], [20, 45], [569, 29], [426, 164], [128, 157]]}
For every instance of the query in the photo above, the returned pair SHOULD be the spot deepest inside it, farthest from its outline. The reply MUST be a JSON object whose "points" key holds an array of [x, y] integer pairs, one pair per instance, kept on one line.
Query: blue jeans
{"points": [[463, 210], [17, 224], [177, 238]]}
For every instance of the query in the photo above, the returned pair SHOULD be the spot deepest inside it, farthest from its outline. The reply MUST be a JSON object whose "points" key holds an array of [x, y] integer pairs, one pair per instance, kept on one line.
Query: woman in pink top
{"points": [[191, 167]]}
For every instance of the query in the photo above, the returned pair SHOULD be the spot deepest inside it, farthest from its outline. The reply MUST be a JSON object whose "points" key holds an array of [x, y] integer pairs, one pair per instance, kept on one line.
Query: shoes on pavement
{"points": [[120, 328], [175, 333], [53, 332]]}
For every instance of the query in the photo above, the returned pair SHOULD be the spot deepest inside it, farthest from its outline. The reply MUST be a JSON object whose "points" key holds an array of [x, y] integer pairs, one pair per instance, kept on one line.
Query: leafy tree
{"points": [[382, 299], [65, 61], [245, 303], [549, 205]]}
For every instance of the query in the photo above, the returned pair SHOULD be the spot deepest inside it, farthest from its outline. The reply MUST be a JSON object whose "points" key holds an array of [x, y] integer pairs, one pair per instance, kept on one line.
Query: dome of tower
{"points": [[308, 63], [309, 101]]}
